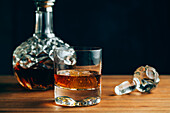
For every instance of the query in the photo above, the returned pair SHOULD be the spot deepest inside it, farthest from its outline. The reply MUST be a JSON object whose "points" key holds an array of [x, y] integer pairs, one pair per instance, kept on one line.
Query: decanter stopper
{"points": [[145, 79]]}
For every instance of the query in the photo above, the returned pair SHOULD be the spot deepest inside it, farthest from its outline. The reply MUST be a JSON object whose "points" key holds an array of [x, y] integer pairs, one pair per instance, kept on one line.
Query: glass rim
{"points": [[86, 48]]}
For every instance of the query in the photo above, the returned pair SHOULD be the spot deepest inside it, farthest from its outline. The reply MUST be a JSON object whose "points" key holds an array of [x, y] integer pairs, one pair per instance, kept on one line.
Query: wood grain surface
{"points": [[14, 98]]}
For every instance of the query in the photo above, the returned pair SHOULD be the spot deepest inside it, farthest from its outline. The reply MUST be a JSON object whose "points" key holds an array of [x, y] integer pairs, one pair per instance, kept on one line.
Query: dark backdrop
{"points": [[131, 32]]}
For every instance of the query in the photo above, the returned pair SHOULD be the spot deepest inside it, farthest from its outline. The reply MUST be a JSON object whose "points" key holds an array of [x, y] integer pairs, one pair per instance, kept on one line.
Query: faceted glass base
{"points": [[67, 101], [76, 97]]}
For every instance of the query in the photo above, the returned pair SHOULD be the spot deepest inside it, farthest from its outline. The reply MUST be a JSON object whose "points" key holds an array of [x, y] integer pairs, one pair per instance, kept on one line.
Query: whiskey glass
{"points": [[78, 84]]}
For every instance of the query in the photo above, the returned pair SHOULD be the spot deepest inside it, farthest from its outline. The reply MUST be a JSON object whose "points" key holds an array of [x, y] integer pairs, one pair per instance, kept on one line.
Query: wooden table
{"points": [[14, 98]]}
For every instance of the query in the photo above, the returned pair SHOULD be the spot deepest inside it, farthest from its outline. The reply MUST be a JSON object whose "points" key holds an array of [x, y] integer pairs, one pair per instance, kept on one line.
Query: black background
{"points": [[131, 32]]}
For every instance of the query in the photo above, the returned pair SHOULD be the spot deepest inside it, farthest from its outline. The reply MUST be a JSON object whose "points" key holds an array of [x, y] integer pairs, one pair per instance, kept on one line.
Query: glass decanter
{"points": [[33, 59]]}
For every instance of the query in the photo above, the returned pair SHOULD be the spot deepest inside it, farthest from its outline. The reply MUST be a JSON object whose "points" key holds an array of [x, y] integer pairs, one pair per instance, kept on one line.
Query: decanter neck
{"points": [[44, 21]]}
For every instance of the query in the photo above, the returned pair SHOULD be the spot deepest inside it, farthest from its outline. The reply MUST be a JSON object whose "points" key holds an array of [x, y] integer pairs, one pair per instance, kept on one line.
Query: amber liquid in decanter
{"points": [[33, 59], [34, 78]]}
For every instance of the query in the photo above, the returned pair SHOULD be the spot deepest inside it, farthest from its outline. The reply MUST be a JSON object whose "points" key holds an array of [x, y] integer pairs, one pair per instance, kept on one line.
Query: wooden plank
{"points": [[14, 98]]}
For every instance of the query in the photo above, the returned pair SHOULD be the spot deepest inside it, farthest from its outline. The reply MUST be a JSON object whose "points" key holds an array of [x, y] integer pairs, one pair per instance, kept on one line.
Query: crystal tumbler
{"points": [[78, 84]]}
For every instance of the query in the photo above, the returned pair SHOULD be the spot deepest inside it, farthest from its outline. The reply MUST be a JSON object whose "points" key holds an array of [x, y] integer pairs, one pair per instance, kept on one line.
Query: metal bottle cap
{"points": [[44, 5]]}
